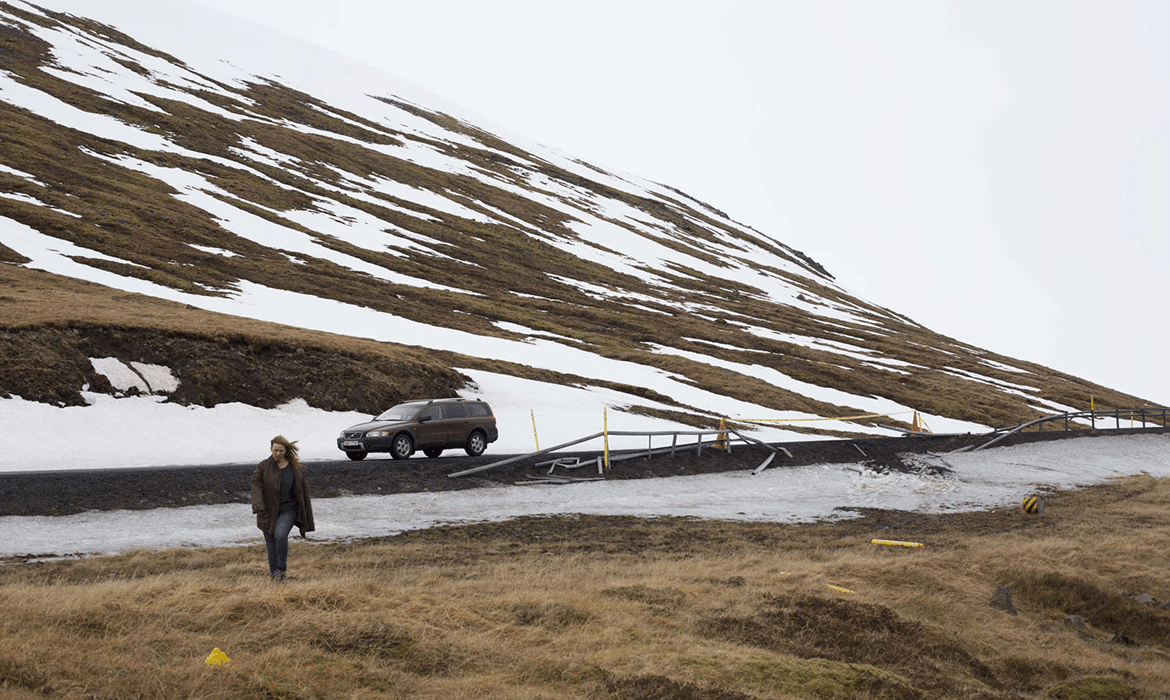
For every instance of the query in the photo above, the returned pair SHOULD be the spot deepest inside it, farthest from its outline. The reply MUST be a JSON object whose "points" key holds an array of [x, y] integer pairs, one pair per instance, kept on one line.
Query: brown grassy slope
{"points": [[623, 608]]}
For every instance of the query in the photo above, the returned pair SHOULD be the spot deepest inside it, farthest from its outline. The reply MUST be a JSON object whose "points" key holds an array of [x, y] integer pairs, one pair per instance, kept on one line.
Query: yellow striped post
{"points": [[1034, 505], [605, 432]]}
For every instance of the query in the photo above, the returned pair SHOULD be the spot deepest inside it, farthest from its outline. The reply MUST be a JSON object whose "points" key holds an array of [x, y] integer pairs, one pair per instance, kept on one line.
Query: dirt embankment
{"points": [[52, 365]]}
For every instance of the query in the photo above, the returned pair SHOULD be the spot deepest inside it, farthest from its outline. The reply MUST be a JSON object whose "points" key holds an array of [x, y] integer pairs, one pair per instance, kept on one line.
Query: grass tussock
{"points": [[622, 608]]}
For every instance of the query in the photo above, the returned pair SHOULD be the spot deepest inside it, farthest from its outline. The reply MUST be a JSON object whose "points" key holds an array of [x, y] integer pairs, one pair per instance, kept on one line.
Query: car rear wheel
{"points": [[433, 452], [476, 444], [402, 447], [356, 456]]}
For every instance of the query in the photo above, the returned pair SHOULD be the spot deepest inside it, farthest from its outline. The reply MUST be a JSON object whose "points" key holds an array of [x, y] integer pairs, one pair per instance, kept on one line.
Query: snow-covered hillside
{"points": [[159, 149]]}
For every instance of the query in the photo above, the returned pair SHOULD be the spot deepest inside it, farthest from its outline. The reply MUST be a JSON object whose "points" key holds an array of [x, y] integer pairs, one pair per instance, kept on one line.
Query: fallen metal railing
{"points": [[1145, 416], [722, 442]]}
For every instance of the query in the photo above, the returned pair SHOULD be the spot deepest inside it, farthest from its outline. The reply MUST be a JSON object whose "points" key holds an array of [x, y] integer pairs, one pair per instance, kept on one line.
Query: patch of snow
{"points": [[146, 378], [121, 377], [214, 251], [159, 378], [21, 174]]}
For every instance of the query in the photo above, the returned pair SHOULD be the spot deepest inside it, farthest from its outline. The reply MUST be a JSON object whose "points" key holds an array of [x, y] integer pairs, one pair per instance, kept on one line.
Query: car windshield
{"points": [[403, 411]]}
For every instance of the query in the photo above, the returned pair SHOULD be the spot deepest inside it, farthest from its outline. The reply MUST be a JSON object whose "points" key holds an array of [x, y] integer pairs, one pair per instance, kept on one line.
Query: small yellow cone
{"points": [[721, 440], [217, 657]]}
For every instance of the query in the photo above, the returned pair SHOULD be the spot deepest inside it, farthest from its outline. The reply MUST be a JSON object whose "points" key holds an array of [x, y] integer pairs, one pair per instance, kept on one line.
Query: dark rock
{"points": [[1002, 600], [1120, 638]]}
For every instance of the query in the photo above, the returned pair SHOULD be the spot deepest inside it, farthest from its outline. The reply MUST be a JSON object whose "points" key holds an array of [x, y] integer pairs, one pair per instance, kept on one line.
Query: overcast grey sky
{"points": [[996, 170]]}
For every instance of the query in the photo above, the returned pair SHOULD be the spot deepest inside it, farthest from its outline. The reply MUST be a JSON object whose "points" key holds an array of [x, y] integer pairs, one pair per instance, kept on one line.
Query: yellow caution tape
{"points": [[798, 420], [898, 543]]}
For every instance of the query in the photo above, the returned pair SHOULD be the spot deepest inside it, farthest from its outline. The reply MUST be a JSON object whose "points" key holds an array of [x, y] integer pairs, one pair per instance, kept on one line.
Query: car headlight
{"points": [[378, 433]]}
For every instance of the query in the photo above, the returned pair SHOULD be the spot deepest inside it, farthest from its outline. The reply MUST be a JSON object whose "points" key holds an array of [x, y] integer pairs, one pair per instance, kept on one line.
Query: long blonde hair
{"points": [[290, 450]]}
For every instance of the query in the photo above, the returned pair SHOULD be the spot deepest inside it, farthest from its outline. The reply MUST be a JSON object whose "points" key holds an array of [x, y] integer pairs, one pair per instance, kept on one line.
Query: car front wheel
{"points": [[476, 444], [357, 456], [402, 447]]}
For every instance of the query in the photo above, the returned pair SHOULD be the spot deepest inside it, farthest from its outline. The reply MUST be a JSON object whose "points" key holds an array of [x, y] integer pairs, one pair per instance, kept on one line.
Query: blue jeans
{"points": [[277, 542]]}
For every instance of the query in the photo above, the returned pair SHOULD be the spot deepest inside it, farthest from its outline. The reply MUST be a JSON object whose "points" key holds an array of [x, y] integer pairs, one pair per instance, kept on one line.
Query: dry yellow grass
{"points": [[622, 608]]}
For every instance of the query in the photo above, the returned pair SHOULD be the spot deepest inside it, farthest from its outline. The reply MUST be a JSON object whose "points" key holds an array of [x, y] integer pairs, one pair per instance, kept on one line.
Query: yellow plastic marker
{"points": [[898, 543], [217, 657], [800, 420], [838, 588]]}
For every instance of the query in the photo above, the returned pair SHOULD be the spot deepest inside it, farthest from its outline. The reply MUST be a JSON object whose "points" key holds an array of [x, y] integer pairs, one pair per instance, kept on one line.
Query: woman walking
{"points": [[280, 500]]}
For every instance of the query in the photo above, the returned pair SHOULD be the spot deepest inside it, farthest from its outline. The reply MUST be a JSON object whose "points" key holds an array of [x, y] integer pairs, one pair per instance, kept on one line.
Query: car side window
{"points": [[432, 413], [477, 410], [455, 410]]}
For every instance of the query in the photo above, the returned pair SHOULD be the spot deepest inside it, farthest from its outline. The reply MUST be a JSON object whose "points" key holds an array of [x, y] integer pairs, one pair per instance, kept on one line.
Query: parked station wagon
{"points": [[429, 425]]}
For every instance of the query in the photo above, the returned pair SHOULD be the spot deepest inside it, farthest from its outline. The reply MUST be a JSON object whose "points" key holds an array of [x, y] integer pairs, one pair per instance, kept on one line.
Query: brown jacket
{"points": [[266, 495]]}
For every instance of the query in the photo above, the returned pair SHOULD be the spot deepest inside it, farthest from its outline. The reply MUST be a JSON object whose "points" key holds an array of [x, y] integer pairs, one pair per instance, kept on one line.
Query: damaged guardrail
{"points": [[1145, 416], [722, 441]]}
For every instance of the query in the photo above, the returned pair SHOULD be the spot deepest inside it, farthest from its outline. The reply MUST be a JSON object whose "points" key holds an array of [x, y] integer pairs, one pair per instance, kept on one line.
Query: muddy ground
{"points": [[69, 492]]}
